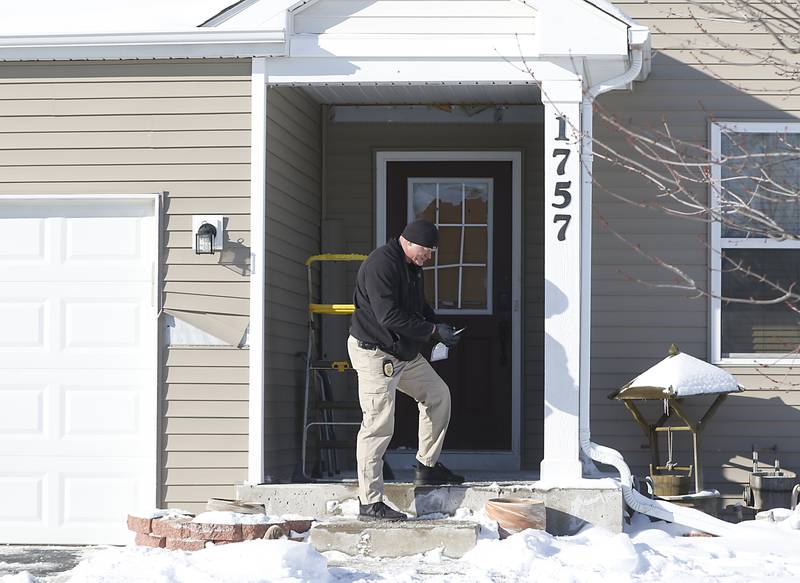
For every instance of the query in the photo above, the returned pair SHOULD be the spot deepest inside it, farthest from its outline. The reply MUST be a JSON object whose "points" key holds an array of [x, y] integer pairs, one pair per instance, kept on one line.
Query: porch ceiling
{"points": [[408, 94]]}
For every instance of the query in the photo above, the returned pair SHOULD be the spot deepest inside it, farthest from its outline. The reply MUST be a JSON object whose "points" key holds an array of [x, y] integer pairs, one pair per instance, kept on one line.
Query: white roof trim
{"points": [[195, 43]]}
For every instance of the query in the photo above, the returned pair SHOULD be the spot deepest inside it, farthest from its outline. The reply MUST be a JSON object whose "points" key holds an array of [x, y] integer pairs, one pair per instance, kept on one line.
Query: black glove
{"points": [[445, 334]]}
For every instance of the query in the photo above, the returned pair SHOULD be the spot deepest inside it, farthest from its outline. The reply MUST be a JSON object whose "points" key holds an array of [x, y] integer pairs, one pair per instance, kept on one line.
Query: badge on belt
{"points": [[388, 367]]}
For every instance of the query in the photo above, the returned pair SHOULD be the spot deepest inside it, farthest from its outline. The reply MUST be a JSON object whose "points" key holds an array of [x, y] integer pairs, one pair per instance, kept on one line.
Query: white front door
{"points": [[77, 368]]}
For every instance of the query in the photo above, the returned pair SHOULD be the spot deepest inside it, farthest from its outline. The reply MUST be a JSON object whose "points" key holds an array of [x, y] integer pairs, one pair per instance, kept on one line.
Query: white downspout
{"points": [[605, 455]]}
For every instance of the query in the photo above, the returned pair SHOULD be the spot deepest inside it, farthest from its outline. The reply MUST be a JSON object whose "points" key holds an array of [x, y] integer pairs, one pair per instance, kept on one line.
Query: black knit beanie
{"points": [[422, 232]]}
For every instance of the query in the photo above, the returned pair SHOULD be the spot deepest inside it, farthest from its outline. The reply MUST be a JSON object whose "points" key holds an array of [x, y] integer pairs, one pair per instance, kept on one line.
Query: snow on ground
{"points": [[761, 550]]}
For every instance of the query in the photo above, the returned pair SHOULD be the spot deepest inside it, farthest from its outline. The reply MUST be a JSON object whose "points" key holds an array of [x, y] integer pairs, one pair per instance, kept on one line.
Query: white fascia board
{"points": [[296, 71], [196, 43]]}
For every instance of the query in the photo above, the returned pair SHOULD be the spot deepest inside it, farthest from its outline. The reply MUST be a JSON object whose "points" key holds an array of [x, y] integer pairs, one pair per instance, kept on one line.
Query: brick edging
{"points": [[183, 534]]}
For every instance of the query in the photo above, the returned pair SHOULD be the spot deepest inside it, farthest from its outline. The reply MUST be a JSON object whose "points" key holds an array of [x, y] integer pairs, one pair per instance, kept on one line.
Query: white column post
{"points": [[562, 285], [258, 270]]}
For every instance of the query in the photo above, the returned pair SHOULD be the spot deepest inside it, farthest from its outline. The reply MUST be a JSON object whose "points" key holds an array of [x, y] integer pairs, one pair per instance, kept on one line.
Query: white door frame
{"points": [[484, 460], [155, 301]]}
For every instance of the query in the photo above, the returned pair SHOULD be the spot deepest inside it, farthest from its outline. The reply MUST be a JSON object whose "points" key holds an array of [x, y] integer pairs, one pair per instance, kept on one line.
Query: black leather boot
{"points": [[435, 475]]}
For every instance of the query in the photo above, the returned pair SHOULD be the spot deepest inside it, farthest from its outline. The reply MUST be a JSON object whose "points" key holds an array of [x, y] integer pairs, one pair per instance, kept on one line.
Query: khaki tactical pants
{"points": [[376, 394]]}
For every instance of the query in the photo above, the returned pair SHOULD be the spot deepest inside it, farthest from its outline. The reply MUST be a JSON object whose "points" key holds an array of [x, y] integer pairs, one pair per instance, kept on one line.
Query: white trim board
{"points": [[501, 460], [257, 361]]}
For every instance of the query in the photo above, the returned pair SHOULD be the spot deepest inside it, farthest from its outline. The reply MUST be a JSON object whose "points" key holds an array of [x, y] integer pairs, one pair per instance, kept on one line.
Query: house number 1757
{"points": [[562, 195]]}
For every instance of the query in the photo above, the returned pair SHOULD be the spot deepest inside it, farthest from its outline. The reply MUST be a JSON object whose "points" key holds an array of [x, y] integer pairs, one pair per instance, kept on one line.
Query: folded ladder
{"points": [[322, 413]]}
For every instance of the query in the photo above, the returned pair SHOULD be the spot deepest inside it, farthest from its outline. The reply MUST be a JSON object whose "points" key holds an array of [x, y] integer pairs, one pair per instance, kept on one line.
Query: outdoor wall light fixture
{"points": [[204, 239], [208, 234]]}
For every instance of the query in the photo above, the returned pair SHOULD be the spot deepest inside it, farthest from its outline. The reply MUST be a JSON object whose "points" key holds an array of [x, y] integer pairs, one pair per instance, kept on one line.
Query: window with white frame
{"points": [[460, 279], [756, 190]]}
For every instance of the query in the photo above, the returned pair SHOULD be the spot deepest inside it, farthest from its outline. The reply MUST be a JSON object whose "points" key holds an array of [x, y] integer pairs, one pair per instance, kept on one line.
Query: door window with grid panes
{"points": [[459, 280], [757, 190]]}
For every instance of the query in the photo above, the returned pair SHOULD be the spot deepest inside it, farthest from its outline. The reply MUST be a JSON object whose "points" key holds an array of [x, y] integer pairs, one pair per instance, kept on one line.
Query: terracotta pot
{"points": [[516, 514]]}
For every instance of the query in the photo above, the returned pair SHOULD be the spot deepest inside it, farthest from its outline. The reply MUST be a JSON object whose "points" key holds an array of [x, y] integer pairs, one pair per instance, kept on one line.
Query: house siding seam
{"points": [[633, 325], [294, 175], [180, 127]]}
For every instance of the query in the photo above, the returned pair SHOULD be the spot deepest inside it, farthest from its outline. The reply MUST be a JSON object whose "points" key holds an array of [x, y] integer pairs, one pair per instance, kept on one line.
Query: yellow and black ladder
{"points": [[320, 411]]}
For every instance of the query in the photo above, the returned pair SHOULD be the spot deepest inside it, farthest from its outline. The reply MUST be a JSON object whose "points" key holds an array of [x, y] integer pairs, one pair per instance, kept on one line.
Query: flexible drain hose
{"points": [[656, 508]]}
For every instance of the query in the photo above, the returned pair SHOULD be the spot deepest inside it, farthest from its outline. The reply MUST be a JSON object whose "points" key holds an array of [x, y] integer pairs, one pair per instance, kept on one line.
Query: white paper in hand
{"points": [[439, 352]]}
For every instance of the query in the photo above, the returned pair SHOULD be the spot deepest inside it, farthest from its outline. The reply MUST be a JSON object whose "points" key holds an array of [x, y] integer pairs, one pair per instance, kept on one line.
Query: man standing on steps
{"points": [[390, 324]]}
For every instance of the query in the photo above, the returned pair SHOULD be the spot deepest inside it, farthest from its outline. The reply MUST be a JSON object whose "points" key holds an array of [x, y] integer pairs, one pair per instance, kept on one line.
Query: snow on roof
{"points": [[679, 375], [45, 17]]}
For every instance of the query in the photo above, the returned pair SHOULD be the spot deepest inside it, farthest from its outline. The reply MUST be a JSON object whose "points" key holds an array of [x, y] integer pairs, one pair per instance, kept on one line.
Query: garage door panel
{"points": [[102, 411], [28, 235], [84, 248], [118, 327], [78, 414], [108, 414], [22, 411], [121, 238], [92, 498], [22, 498], [24, 322], [77, 328], [75, 501]]}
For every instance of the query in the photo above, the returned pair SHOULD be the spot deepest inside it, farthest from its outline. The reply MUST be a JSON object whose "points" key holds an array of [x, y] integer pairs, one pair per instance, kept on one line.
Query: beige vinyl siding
{"points": [[294, 164], [350, 195], [632, 324], [179, 127]]}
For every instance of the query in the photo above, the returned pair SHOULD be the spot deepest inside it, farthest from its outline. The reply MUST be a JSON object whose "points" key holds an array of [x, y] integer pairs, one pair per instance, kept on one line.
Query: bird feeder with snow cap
{"points": [[677, 377]]}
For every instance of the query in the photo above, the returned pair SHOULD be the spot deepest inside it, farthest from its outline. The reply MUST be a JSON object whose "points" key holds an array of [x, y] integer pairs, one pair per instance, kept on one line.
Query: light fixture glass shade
{"points": [[204, 239]]}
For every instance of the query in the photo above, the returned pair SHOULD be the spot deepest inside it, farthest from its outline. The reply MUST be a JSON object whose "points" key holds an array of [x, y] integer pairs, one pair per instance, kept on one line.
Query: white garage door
{"points": [[77, 368]]}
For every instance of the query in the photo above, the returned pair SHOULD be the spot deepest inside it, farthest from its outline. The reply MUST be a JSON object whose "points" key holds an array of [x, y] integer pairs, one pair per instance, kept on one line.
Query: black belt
{"points": [[367, 345]]}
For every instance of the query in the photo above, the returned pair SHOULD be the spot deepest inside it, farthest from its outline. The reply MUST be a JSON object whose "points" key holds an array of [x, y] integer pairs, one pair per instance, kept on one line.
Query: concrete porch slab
{"points": [[395, 539], [567, 509]]}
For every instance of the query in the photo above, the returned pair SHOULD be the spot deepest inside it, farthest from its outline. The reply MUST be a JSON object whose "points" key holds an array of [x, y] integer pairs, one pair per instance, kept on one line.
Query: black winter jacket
{"points": [[391, 310]]}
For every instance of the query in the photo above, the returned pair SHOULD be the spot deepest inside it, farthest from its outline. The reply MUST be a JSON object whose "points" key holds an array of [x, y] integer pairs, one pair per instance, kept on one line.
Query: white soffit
{"points": [[425, 94]]}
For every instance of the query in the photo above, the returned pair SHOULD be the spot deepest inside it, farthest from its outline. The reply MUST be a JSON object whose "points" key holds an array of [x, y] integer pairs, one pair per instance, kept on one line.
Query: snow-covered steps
{"points": [[597, 502], [395, 539]]}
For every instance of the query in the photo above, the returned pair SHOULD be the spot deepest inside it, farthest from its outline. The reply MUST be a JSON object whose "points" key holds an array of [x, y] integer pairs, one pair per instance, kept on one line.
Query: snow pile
{"points": [[220, 517], [349, 507], [684, 375], [646, 552], [162, 513], [278, 561], [537, 556], [23, 577], [759, 550], [786, 519]]}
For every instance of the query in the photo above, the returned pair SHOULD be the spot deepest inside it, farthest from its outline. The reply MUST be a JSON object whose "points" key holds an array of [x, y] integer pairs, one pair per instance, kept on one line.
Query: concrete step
{"points": [[597, 502], [395, 539]]}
